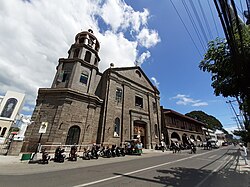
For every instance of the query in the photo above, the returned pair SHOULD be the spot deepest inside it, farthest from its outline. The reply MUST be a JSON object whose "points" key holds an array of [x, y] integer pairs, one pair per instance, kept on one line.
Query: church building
{"points": [[84, 106]]}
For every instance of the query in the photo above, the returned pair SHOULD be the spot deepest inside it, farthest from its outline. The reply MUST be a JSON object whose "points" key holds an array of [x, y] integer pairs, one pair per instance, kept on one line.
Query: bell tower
{"points": [[70, 107], [79, 70]]}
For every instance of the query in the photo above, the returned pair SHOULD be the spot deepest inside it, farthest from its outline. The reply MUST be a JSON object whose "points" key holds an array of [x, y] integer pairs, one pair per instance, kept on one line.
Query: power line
{"points": [[194, 25], [199, 20], [186, 28], [213, 18], [205, 20]]}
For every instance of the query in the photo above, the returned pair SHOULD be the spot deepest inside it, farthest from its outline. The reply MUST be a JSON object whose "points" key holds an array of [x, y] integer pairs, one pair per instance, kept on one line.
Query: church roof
{"points": [[123, 69]]}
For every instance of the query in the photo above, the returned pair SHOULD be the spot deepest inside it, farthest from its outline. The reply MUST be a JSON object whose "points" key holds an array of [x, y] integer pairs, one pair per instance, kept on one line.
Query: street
{"points": [[218, 167]]}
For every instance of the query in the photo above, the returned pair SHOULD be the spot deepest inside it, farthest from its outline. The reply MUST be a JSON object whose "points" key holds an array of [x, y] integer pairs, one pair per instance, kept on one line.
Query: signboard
{"points": [[43, 127]]}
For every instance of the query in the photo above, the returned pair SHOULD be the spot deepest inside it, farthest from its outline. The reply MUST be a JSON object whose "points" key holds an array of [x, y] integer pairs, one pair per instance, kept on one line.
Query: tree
{"points": [[229, 68], [211, 121]]}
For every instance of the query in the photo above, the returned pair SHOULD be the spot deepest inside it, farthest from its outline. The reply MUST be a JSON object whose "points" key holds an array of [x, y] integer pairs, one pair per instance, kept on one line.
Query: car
{"points": [[224, 144]]}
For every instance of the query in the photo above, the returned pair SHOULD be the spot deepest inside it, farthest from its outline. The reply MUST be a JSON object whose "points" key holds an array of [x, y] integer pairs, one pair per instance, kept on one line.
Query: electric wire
{"points": [[213, 18], [194, 25], [186, 28], [205, 20], [199, 20]]}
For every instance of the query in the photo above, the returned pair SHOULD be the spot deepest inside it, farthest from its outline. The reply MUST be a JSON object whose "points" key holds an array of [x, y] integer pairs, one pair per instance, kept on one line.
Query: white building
{"points": [[10, 106]]}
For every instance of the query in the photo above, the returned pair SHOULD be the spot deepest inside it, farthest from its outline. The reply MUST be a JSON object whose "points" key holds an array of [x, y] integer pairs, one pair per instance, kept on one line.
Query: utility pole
{"points": [[236, 116]]}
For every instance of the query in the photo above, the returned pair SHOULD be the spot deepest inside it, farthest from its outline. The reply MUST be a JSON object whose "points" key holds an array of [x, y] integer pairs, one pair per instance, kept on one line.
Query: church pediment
{"points": [[135, 75]]}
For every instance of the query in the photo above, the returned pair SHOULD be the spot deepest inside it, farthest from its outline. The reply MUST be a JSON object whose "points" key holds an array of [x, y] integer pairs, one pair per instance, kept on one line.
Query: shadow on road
{"points": [[228, 175]]}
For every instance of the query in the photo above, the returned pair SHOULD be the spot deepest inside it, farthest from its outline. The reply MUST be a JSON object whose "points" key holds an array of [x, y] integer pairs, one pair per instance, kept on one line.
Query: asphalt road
{"points": [[206, 168]]}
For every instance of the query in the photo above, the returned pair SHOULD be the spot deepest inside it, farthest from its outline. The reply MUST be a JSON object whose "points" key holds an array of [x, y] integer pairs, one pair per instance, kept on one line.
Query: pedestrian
{"points": [[244, 153], [162, 146]]}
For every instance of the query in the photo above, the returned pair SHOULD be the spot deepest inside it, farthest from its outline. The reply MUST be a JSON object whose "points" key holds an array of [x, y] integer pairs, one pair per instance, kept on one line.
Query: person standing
{"points": [[244, 153], [162, 146]]}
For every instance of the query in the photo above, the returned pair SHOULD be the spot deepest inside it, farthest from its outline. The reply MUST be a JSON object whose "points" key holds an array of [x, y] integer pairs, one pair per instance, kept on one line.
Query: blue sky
{"points": [[38, 33]]}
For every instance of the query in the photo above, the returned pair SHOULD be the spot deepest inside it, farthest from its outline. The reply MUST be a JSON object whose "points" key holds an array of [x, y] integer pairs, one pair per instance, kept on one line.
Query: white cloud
{"points": [[35, 34], [148, 38], [120, 16], [156, 83], [186, 100], [144, 56]]}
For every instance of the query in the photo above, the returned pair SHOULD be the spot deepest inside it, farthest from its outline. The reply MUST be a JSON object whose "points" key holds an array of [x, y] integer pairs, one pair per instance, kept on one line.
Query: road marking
{"points": [[140, 170], [215, 170], [212, 156]]}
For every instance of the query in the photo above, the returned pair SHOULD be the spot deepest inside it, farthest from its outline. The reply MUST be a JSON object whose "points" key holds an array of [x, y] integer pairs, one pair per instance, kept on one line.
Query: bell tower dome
{"points": [[80, 69], [86, 47]]}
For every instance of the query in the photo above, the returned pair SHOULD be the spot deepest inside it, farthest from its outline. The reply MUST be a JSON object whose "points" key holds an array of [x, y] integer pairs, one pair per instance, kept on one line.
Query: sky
{"points": [[167, 38]]}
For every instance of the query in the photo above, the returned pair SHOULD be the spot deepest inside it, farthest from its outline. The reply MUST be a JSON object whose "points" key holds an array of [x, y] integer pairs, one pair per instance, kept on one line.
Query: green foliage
{"points": [[245, 136], [14, 129], [212, 122], [229, 66]]}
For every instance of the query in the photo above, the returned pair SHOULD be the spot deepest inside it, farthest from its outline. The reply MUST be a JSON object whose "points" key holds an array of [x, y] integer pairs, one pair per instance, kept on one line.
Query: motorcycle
{"points": [[45, 157], [94, 154], [73, 154], [107, 152], [86, 154], [59, 156]]}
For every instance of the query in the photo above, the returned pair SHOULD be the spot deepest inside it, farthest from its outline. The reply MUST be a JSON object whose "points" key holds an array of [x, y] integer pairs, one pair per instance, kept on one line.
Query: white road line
{"points": [[140, 170], [215, 170], [212, 156]]}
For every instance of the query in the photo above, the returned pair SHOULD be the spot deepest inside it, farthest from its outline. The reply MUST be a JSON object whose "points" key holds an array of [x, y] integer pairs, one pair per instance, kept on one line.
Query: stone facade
{"points": [[84, 106], [181, 128]]}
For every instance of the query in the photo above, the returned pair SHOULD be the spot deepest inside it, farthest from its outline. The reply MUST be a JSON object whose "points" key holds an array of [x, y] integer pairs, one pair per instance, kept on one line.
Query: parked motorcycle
{"points": [[107, 152], [45, 157], [86, 154], [94, 154], [73, 154], [59, 156]]}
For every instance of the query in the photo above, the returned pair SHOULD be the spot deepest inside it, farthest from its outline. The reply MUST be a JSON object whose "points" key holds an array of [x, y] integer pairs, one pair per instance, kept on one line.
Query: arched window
{"points": [[9, 108], [87, 56], [117, 127], [73, 135], [156, 131], [76, 53], [3, 131]]}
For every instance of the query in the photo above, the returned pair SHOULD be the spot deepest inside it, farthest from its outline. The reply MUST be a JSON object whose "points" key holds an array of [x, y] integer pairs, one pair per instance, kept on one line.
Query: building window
{"points": [[117, 128], [65, 76], [84, 78], [76, 53], [9, 108], [87, 56], [139, 101], [154, 107], [96, 61], [138, 73], [81, 40], [118, 96], [156, 131], [3, 131]]}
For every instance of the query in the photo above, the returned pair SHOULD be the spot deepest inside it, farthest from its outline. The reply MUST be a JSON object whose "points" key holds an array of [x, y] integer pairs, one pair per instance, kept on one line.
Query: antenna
{"points": [[137, 63]]}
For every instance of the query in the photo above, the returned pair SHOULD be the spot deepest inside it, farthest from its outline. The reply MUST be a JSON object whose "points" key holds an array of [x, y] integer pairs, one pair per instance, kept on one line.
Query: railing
{"points": [[51, 148]]}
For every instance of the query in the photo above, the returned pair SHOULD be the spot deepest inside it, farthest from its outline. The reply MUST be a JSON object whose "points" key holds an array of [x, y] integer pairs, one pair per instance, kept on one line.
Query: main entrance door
{"points": [[140, 132], [73, 135]]}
